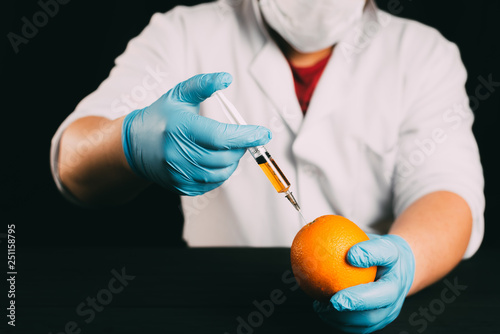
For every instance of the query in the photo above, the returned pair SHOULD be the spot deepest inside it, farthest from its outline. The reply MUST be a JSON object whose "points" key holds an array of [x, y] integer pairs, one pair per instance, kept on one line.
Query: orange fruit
{"points": [[318, 257]]}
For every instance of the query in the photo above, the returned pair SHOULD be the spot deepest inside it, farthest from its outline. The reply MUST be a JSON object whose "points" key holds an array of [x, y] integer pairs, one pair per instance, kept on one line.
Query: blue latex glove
{"points": [[170, 144], [369, 307]]}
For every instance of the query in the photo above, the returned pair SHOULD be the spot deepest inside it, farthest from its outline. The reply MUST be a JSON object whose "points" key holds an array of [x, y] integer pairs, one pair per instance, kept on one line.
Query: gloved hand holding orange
{"points": [[359, 282]]}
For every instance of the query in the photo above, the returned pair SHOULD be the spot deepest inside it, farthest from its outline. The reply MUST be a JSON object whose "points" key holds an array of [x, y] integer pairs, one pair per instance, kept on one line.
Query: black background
{"points": [[75, 51]]}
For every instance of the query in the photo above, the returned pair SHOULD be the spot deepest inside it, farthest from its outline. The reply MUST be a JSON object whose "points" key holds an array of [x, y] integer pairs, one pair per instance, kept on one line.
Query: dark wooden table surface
{"points": [[219, 290]]}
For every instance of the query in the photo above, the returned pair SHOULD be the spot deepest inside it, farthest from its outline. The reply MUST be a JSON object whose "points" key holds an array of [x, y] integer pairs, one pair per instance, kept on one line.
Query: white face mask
{"points": [[312, 25]]}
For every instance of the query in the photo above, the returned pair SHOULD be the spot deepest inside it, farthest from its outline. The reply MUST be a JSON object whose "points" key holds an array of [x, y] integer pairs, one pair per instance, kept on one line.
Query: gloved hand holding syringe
{"points": [[261, 155]]}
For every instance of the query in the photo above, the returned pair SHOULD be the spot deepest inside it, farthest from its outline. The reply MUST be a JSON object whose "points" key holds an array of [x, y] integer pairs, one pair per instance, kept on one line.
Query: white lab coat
{"points": [[388, 121]]}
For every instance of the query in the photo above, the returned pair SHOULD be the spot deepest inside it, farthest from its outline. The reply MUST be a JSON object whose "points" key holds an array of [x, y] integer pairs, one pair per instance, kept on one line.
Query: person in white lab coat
{"points": [[368, 116]]}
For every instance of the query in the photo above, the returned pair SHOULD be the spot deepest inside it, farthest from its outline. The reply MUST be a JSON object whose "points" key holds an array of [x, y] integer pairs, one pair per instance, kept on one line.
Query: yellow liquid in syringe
{"points": [[274, 174]]}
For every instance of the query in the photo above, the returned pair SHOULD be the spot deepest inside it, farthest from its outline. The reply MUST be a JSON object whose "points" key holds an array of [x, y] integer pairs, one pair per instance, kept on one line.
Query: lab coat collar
{"points": [[273, 75], [364, 32], [371, 11]]}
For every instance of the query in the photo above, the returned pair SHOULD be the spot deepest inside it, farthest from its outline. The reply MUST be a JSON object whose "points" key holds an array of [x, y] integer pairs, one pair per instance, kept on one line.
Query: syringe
{"points": [[261, 155]]}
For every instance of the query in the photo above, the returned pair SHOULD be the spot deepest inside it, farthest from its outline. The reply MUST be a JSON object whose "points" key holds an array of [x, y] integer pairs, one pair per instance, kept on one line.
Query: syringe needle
{"points": [[302, 216], [289, 196], [295, 204]]}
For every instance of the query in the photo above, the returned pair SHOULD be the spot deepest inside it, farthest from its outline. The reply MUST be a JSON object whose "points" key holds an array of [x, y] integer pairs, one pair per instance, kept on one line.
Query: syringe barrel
{"points": [[260, 154], [258, 151], [270, 168]]}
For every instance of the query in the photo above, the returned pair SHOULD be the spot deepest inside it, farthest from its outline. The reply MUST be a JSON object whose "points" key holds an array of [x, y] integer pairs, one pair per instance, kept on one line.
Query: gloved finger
{"points": [[367, 296], [351, 318], [214, 175], [200, 87], [195, 180], [373, 236], [375, 252], [211, 134], [217, 159], [184, 152]]}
